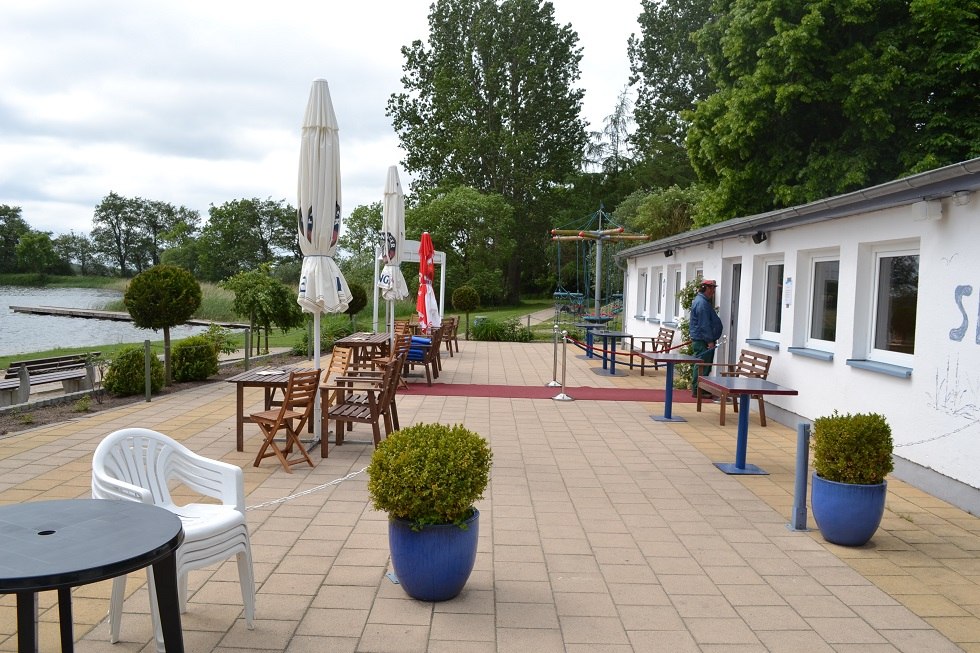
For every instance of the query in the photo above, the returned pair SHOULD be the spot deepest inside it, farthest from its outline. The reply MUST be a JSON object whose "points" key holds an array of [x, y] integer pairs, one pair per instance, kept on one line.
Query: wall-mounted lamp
{"points": [[962, 197], [669, 252], [759, 237], [711, 244]]}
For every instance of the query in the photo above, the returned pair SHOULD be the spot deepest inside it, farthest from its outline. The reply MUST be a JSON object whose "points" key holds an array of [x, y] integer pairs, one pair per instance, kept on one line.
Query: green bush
{"points": [[332, 328], [491, 330], [195, 358], [126, 376], [852, 448], [430, 474]]}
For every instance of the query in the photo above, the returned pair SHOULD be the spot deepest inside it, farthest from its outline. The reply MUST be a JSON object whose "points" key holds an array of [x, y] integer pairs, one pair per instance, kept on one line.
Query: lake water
{"points": [[24, 334]]}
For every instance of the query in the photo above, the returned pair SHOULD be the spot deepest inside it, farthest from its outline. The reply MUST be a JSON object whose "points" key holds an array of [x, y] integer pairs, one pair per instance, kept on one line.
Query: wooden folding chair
{"points": [[291, 417], [365, 399]]}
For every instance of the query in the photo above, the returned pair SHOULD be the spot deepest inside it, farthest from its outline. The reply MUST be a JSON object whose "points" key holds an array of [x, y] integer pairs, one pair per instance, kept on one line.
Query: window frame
{"points": [[874, 293], [810, 341], [767, 266]]}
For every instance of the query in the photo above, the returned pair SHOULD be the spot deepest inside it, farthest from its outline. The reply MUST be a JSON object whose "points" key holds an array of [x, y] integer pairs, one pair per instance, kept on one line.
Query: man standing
{"points": [[706, 327]]}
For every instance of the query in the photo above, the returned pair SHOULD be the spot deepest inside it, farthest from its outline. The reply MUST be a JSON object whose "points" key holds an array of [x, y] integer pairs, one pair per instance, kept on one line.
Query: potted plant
{"points": [[852, 454], [428, 477]]}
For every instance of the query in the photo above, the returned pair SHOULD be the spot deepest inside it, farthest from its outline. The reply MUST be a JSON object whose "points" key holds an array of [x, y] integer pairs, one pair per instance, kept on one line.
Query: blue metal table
{"points": [[609, 339], [670, 359], [744, 388]]}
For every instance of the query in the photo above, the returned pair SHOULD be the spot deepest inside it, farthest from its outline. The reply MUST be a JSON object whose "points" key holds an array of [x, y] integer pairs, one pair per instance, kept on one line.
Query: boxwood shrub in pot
{"points": [[852, 455], [428, 477]]}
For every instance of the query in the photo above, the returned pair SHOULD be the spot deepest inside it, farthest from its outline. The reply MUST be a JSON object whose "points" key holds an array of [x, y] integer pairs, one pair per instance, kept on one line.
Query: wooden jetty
{"points": [[117, 316]]}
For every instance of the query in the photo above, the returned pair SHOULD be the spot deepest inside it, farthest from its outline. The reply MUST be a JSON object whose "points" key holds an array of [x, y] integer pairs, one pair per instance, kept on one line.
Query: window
{"points": [[773, 308], [823, 304], [896, 297]]}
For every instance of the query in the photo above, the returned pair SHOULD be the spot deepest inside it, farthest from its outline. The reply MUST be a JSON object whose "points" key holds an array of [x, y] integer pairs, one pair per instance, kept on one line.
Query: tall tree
{"points": [[490, 103], [820, 98], [243, 234], [116, 232], [12, 227], [671, 77], [35, 252]]}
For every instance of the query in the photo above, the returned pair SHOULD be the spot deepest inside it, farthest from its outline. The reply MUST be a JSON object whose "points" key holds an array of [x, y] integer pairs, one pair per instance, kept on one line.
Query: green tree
{"points": [[76, 249], [664, 212], [165, 225], [671, 77], [116, 233], [476, 231], [243, 234], [264, 301], [12, 227], [467, 300], [358, 242], [820, 98], [357, 303], [490, 102], [35, 252], [161, 297]]}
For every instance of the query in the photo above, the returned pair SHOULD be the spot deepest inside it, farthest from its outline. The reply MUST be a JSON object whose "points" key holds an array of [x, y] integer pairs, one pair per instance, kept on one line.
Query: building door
{"points": [[732, 349]]}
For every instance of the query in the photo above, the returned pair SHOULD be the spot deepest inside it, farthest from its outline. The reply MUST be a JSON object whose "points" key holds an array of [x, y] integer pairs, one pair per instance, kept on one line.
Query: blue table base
{"points": [[741, 444], [748, 470]]}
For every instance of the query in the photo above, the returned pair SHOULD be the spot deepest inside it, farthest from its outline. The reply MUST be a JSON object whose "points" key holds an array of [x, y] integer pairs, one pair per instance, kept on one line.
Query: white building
{"points": [[868, 302]]}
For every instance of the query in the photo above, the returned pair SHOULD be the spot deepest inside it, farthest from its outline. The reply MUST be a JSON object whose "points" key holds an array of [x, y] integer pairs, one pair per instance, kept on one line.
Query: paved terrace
{"points": [[602, 530]]}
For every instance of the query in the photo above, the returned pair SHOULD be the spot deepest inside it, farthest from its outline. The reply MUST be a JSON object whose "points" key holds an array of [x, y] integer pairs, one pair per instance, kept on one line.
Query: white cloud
{"points": [[198, 103]]}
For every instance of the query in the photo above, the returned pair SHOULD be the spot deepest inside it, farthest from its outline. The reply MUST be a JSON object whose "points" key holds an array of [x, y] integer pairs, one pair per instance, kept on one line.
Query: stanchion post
{"points": [[798, 522], [553, 383], [561, 396]]}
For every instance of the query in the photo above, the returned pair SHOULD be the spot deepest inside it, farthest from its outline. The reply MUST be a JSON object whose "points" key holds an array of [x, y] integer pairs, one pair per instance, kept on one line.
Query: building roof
{"points": [[949, 181]]}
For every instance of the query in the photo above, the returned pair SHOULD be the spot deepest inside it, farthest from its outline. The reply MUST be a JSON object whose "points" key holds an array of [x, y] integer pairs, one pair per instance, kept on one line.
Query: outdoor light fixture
{"points": [[759, 237], [669, 252], [961, 197]]}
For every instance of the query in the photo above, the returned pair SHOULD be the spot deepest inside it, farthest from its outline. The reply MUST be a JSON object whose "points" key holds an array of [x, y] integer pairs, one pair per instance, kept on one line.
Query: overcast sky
{"points": [[199, 102]]}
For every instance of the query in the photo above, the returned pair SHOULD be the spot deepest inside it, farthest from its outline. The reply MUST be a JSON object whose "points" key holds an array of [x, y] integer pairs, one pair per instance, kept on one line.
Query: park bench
{"points": [[75, 372], [750, 364]]}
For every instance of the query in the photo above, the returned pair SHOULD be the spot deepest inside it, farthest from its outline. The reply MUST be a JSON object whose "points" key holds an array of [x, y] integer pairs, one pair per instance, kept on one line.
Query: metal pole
{"points": [[598, 271], [146, 369], [554, 367], [802, 469], [561, 396], [248, 346]]}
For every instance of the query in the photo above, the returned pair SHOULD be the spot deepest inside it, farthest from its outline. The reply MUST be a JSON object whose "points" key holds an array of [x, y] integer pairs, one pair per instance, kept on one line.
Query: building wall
{"points": [[934, 411]]}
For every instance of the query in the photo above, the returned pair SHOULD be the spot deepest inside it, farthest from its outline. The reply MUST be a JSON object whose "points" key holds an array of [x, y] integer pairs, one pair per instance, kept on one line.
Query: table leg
{"points": [[64, 619], [588, 343], [612, 356], [240, 417], [165, 576], [669, 398], [26, 622], [741, 443]]}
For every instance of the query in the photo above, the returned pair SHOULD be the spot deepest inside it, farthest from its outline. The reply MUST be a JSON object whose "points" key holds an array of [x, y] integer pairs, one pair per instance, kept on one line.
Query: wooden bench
{"points": [[75, 372], [751, 364], [657, 344]]}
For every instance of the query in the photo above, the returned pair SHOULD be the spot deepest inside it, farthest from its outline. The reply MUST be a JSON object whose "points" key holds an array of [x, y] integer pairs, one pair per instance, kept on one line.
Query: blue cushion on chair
{"points": [[419, 340], [416, 354]]}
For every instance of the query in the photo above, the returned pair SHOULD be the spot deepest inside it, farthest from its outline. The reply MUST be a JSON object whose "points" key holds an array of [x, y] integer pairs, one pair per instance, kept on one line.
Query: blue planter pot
{"points": [[847, 514], [434, 563]]}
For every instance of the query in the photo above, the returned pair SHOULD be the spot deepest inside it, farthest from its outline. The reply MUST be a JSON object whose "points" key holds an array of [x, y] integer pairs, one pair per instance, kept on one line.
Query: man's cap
{"points": [[708, 282]]}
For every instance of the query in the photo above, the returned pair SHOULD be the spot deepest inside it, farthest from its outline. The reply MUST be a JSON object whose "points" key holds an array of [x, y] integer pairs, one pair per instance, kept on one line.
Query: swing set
{"points": [[589, 238]]}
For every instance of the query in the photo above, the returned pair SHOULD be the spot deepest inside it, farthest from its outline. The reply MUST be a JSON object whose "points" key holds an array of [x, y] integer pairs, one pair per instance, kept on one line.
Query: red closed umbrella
{"points": [[426, 305]]}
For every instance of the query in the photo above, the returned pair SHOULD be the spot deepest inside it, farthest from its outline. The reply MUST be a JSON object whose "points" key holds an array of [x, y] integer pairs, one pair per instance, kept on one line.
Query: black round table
{"points": [[57, 545]]}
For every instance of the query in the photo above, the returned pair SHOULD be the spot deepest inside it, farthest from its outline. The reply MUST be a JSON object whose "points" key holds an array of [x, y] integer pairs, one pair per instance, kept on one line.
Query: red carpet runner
{"points": [[533, 392]]}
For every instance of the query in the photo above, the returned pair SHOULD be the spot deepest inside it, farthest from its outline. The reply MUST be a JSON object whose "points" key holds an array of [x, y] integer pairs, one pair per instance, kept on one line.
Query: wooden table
{"points": [[267, 378], [57, 545], [364, 346], [609, 353], [671, 359], [743, 387]]}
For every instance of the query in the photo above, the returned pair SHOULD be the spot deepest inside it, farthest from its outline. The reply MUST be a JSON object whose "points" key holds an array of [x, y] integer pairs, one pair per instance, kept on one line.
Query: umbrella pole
{"points": [[317, 417]]}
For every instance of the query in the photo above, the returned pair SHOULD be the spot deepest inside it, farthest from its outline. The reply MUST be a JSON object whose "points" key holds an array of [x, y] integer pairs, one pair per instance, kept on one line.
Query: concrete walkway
{"points": [[602, 530]]}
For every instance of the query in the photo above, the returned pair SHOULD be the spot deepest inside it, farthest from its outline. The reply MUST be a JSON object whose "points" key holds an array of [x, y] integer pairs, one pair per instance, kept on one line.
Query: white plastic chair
{"points": [[137, 464]]}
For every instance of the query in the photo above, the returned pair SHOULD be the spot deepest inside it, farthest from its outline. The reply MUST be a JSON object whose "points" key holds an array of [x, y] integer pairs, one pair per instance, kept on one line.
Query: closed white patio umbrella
{"points": [[391, 282], [322, 287]]}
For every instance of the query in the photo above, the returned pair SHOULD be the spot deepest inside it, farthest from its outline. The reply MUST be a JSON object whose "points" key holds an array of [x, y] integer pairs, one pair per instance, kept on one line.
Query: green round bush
{"points": [[466, 299], [126, 375], [852, 448], [195, 358], [430, 474]]}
